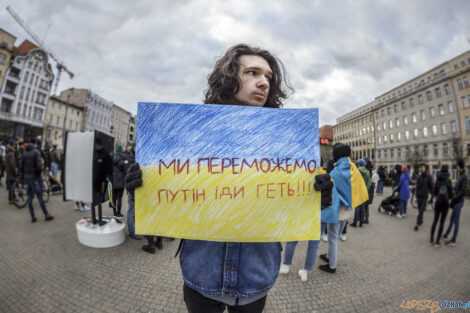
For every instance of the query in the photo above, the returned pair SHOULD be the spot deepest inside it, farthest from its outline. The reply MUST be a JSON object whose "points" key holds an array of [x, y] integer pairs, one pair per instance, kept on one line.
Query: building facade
{"points": [[7, 43], [461, 85], [356, 129], [25, 92], [120, 127], [418, 121], [98, 111], [59, 111]]}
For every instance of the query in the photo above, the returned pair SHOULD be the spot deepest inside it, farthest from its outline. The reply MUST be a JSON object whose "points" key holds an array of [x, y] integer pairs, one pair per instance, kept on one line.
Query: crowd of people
{"points": [[239, 275]]}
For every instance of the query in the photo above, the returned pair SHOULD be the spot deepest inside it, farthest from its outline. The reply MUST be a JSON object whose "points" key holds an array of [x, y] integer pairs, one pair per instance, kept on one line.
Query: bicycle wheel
{"points": [[19, 193], [46, 190]]}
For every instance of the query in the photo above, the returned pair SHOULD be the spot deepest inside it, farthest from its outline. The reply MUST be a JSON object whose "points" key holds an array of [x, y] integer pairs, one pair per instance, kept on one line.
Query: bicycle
{"points": [[21, 196]]}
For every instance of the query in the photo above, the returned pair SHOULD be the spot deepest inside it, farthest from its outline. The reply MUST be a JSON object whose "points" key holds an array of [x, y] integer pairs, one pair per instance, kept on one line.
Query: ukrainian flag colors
{"points": [[227, 173]]}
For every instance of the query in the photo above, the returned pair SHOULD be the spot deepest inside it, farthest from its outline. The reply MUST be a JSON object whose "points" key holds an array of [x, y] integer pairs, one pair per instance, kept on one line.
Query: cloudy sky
{"points": [[339, 55]]}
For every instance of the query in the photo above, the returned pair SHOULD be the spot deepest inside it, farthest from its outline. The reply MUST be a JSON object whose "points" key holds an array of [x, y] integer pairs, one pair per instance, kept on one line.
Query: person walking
{"points": [[360, 211], [442, 192], [457, 203], [382, 176], [54, 161], [11, 170], [423, 188], [31, 168], [404, 187]]}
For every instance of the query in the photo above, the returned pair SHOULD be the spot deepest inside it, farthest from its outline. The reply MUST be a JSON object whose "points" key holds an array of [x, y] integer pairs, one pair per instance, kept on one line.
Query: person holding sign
{"points": [[232, 275]]}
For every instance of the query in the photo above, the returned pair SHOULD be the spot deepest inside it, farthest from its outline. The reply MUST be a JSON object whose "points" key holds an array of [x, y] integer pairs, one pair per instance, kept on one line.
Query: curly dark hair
{"points": [[224, 81]]}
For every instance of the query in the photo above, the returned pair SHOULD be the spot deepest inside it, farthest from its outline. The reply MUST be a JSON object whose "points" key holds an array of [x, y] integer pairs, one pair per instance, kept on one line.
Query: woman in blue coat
{"points": [[404, 187]]}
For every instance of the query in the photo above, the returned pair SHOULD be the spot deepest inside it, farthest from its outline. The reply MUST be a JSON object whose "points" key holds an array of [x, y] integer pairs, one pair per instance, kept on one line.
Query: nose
{"points": [[263, 82]]}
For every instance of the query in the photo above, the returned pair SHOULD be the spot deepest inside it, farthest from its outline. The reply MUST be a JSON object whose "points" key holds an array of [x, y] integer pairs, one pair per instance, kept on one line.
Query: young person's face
{"points": [[423, 168], [255, 75]]}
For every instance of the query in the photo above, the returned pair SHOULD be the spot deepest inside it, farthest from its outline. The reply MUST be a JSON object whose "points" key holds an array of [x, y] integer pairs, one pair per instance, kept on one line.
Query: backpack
{"points": [[443, 193]]}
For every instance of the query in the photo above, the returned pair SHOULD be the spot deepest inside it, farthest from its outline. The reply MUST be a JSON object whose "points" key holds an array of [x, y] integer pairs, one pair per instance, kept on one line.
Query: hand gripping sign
{"points": [[227, 173]]}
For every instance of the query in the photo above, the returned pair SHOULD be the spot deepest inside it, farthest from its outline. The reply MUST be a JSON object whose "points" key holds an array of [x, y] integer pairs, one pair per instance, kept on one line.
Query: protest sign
{"points": [[227, 173]]}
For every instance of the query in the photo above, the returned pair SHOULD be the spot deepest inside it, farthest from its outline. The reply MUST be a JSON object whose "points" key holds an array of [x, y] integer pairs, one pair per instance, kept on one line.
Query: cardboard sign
{"points": [[227, 173]]}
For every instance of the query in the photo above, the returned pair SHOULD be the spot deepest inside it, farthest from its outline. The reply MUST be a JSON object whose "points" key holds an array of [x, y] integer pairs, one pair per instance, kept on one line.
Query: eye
{"points": [[251, 72]]}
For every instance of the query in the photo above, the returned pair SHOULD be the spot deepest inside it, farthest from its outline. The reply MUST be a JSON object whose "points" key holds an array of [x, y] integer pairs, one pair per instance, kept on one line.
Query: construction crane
{"points": [[59, 63]]}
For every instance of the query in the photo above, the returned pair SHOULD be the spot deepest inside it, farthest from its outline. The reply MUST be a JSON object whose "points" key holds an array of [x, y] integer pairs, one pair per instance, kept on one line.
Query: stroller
{"points": [[390, 203]]}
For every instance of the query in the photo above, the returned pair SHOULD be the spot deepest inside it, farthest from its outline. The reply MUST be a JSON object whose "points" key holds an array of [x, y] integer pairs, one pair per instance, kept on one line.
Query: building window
{"points": [[385, 153], [395, 108], [432, 112], [443, 128], [385, 139], [435, 149], [412, 102], [413, 117], [398, 137], [397, 122], [391, 124], [405, 120], [434, 130], [389, 111], [407, 152], [465, 81], [440, 107], [445, 150], [467, 124], [399, 152], [459, 83], [415, 133], [379, 140], [420, 99], [76, 125], [425, 150], [379, 153], [377, 114], [391, 153], [447, 89], [429, 95], [438, 92], [423, 115], [403, 105], [464, 103], [451, 107], [453, 126], [425, 131], [407, 135], [382, 112], [385, 126], [50, 119], [392, 138], [57, 121]]}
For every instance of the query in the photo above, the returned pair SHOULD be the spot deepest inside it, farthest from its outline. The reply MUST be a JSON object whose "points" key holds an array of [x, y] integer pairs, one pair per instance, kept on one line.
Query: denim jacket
{"points": [[231, 269]]}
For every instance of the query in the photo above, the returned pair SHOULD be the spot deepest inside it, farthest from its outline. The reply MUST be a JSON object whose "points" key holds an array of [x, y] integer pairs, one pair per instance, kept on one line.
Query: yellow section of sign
{"points": [[252, 206]]}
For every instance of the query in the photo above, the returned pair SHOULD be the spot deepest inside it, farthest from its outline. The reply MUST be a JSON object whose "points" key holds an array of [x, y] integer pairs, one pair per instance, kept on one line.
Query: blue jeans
{"points": [[334, 232], [402, 206], [54, 169], [311, 251], [32, 187], [130, 215], [455, 220], [380, 187]]}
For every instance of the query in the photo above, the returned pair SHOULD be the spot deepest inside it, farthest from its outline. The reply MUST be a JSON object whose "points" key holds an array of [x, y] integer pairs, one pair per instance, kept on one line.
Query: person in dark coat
{"points": [[423, 188], [11, 170], [380, 184], [129, 156], [442, 192], [31, 168], [102, 170], [457, 203], [397, 175], [119, 172]]}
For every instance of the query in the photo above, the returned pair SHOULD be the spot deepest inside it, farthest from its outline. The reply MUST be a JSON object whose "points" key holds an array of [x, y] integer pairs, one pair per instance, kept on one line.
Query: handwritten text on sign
{"points": [[227, 173]]}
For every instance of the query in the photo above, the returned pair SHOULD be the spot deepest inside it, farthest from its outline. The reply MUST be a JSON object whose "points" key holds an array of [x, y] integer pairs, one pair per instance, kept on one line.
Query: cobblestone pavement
{"points": [[43, 268]]}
